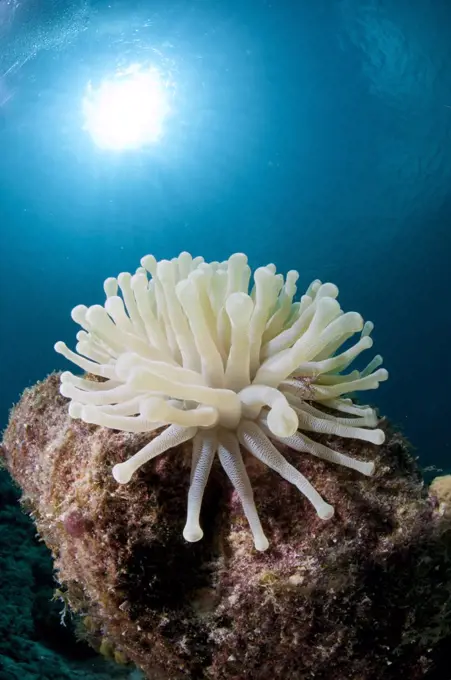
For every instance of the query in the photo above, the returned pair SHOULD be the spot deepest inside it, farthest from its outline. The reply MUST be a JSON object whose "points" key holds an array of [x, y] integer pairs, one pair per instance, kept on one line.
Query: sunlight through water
{"points": [[127, 110]]}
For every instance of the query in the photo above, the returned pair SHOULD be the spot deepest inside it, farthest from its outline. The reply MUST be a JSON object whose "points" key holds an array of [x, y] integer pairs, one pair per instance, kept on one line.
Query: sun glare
{"points": [[128, 110]]}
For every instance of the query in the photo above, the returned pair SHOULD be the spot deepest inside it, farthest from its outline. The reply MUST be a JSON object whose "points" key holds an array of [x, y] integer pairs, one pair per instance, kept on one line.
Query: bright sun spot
{"points": [[128, 110]]}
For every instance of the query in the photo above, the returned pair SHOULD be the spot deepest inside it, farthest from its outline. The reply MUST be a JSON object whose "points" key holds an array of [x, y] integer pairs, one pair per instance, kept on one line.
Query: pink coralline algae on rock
{"points": [[364, 596]]}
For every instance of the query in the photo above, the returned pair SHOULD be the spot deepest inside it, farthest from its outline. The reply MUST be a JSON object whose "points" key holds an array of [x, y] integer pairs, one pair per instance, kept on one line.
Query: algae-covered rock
{"points": [[363, 596], [441, 488]]}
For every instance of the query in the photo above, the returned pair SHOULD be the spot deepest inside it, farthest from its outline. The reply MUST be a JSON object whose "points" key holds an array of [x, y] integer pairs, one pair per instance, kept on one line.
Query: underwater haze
{"points": [[315, 135]]}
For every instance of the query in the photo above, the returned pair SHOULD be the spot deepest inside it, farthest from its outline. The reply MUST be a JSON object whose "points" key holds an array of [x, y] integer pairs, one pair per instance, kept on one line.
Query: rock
{"points": [[441, 488], [363, 596]]}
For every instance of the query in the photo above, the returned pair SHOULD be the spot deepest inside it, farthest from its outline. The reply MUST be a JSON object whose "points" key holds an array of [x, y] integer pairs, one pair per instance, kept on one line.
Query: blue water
{"points": [[312, 135]]}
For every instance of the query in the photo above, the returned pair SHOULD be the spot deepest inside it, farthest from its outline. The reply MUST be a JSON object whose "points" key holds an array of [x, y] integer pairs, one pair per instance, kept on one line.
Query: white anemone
{"points": [[188, 346]]}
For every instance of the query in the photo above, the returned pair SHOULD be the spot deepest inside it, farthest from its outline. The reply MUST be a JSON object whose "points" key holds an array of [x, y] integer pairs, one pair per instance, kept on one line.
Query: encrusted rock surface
{"points": [[364, 596]]}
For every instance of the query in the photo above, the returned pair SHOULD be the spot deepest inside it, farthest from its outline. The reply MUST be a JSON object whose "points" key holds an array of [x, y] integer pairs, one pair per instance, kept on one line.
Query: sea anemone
{"points": [[191, 350]]}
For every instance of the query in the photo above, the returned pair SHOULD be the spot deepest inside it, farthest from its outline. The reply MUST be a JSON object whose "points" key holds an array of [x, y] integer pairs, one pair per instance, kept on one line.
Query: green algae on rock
{"points": [[364, 596]]}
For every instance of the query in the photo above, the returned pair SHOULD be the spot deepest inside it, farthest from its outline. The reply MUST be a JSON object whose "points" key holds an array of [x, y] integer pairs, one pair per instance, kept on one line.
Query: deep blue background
{"points": [[312, 134]]}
